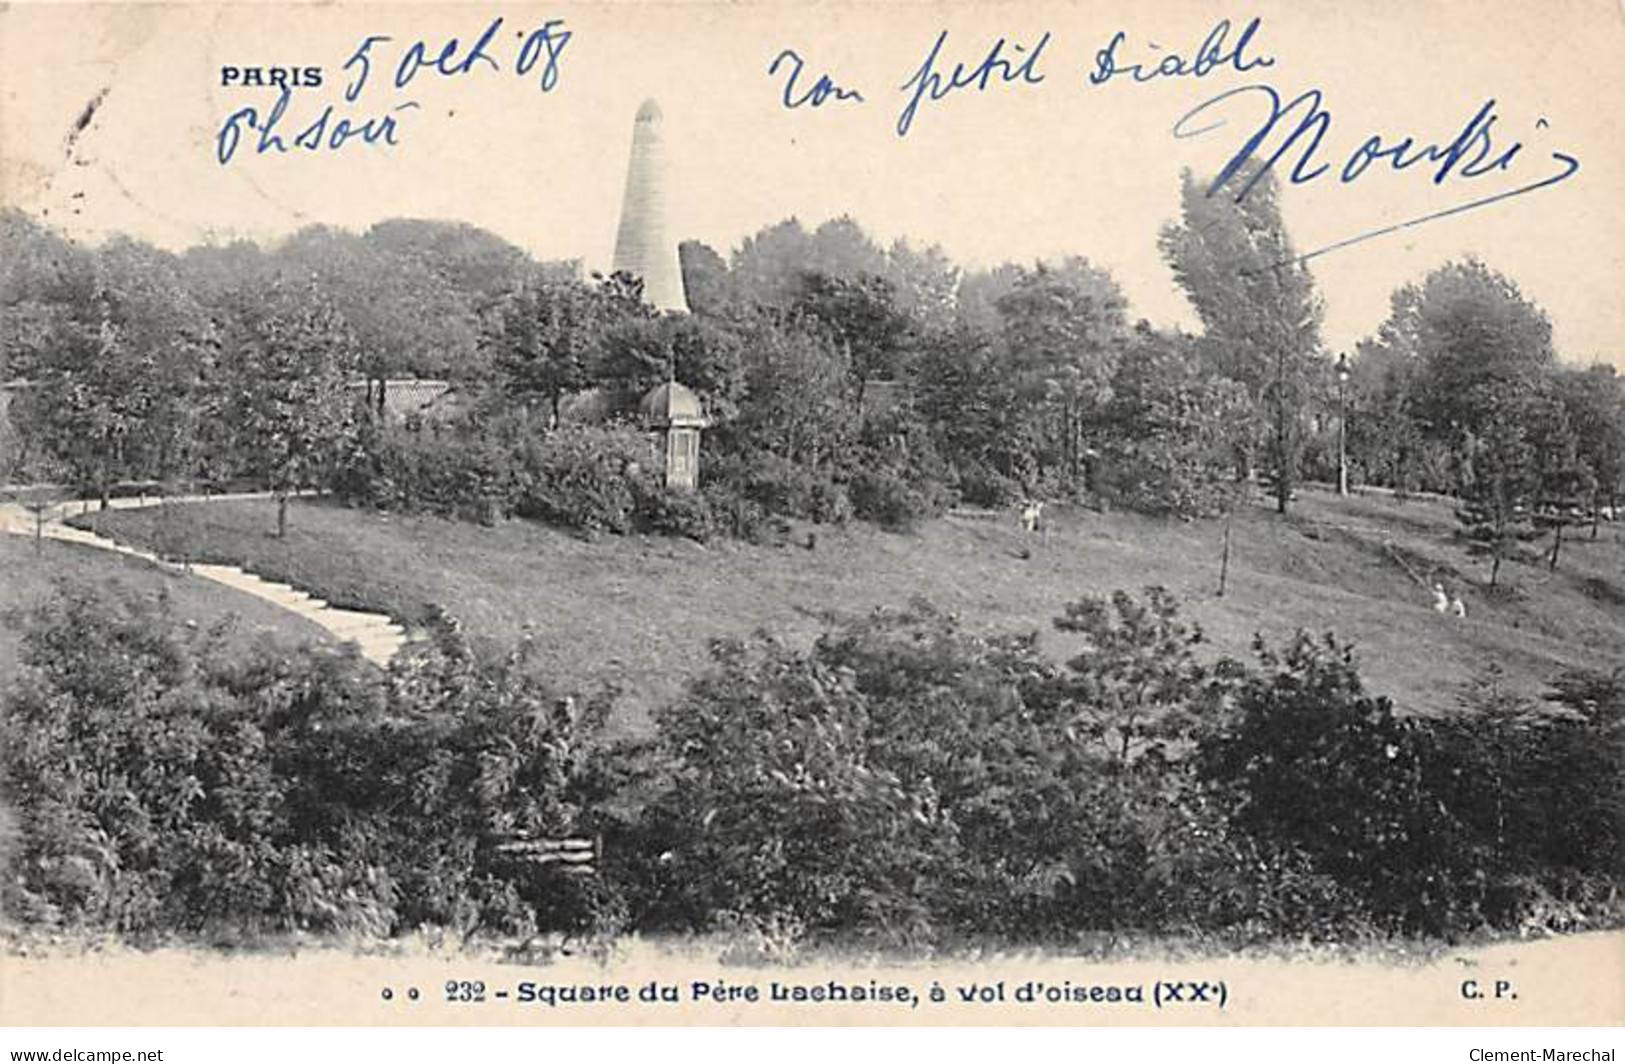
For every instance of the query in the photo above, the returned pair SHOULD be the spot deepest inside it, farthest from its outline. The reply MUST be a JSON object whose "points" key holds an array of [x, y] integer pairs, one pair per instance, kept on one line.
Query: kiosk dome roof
{"points": [[672, 402]]}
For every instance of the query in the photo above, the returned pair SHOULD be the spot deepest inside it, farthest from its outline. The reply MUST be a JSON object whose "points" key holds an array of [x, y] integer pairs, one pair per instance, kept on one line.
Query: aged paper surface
{"points": [[134, 119]]}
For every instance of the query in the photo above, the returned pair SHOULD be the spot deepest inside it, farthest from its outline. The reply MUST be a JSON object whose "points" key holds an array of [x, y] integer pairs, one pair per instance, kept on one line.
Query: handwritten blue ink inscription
{"points": [[823, 90], [360, 56], [1212, 55], [451, 60], [542, 46], [323, 134], [1474, 152], [1289, 135], [997, 68], [448, 63]]}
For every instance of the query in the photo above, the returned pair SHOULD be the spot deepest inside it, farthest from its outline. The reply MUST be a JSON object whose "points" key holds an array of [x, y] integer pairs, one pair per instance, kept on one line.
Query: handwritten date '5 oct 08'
{"points": [[380, 58], [1293, 134]]}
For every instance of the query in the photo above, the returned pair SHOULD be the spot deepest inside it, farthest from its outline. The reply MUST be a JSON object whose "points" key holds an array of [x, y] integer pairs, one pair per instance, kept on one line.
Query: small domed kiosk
{"points": [[673, 412]]}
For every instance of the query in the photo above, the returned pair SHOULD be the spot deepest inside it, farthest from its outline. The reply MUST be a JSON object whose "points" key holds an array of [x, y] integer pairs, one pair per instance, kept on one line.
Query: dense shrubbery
{"points": [[898, 479], [980, 485], [450, 470], [586, 477], [776, 485], [594, 478], [606, 478], [167, 783], [1312, 761], [903, 782], [911, 782], [1501, 815]]}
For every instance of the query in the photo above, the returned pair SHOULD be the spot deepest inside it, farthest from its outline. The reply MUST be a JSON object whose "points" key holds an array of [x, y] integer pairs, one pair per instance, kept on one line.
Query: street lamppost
{"points": [[1342, 425]]}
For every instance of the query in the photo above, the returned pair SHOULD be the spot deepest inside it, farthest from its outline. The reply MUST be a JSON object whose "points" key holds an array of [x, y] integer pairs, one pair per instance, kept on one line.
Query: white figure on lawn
{"points": [[1032, 520]]}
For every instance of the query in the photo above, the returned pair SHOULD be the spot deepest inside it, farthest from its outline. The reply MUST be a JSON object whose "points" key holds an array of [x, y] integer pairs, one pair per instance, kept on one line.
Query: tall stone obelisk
{"points": [[642, 247]]}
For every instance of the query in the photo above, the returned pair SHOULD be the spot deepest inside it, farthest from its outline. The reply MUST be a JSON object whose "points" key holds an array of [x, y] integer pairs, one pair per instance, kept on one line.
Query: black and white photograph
{"points": [[813, 514]]}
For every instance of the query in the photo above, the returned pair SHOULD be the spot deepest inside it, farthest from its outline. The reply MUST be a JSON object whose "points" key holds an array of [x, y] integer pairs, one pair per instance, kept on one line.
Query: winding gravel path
{"points": [[378, 637]]}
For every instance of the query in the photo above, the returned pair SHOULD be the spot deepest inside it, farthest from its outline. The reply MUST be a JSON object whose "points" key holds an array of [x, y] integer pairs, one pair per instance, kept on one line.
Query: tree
{"points": [[840, 248], [706, 354], [768, 267], [1173, 427], [859, 314], [1064, 326], [795, 407], [1442, 366], [1474, 337], [1499, 483], [925, 281], [976, 301], [419, 295], [1257, 302], [117, 371], [1563, 481], [175, 346], [965, 394], [1594, 399], [286, 401], [706, 281], [1135, 686], [1386, 442], [45, 280], [547, 339], [74, 411]]}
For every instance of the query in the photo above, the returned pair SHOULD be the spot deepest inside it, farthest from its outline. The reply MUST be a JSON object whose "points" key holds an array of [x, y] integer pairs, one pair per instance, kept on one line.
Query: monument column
{"points": [[642, 246]]}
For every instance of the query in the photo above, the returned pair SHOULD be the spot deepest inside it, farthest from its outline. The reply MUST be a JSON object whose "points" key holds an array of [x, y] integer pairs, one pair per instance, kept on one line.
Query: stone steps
{"points": [[376, 635]]}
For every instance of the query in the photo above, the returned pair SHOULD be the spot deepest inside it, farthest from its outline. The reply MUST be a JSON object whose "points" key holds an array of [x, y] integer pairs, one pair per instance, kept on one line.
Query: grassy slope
{"points": [[26, 576], [639, 611]]}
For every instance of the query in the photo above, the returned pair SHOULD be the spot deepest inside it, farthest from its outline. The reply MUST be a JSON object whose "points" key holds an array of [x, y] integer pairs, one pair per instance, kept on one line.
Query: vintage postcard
{"points": [[711, 513]]}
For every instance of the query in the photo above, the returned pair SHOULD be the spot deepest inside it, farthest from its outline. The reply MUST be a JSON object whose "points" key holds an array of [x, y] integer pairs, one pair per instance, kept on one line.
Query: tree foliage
{"points": [[1257, 303], [172, 780], [1499, 485], [287, 399], [546, 339]]}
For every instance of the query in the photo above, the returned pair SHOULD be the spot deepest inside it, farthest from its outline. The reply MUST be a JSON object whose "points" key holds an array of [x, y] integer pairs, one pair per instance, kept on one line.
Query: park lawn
{"points": [[638, 612], [28, 575]]}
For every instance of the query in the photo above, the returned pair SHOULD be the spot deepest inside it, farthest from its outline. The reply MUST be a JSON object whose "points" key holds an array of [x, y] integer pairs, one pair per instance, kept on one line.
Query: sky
{"points": [[110, 117]]}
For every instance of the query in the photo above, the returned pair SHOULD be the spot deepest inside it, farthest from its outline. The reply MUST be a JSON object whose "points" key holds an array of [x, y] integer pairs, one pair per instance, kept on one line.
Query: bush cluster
{"points": [[1162, 478], [167, 780], [770, 485], [592, 478], [1503, 815], [911, 783], [903, 782], [501, 463], [898, 479], [915, 783]]}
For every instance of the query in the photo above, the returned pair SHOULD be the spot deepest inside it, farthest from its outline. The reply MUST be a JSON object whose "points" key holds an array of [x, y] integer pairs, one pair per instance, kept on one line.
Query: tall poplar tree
{"points": [[1256, 299]]}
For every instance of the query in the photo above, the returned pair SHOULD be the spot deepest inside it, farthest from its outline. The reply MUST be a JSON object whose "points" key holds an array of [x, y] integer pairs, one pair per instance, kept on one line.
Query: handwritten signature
{"points": [[1474, 152]]}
